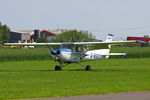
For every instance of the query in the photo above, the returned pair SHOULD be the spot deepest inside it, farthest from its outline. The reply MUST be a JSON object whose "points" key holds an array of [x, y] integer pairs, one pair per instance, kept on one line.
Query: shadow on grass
{"points": [[66, 70], [96, 70]]}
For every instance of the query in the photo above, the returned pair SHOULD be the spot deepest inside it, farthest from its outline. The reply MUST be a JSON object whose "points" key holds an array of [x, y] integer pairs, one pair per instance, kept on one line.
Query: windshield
{"points": [[67, 46]]}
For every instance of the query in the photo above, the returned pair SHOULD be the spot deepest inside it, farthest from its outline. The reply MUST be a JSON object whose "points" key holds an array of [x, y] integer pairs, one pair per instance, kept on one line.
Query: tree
{"points": [[42, 40], [0, 33], [147, 42], [146, 36], [4, 33], [74, 36]]}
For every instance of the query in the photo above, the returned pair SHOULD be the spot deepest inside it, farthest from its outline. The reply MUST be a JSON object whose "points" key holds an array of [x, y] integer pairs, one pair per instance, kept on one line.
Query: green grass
{"points": [[19, 54], [16, 54], [132, 52], [37, 79]]}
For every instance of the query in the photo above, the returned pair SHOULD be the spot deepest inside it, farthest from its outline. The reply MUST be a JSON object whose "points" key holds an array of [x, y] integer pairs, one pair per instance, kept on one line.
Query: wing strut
{"points": [[50, 47]]}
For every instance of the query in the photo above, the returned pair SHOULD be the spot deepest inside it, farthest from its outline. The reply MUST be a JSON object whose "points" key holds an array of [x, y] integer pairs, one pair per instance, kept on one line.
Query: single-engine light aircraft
{"points": [[78, 51]]}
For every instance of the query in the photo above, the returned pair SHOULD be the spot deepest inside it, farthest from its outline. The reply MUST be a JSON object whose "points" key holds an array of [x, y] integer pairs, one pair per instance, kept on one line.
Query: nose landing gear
{"points": [[88, 68], [58, 68]]}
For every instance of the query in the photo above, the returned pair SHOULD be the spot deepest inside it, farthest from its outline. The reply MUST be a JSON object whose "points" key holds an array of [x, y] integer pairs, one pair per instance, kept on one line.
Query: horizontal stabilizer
{"points": [[122, 54]]}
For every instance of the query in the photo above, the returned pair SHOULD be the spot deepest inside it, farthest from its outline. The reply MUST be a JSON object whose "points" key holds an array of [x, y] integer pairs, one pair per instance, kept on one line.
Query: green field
{"points": [[37, 79], [132, 52], [19, 54], [16, 54], [29, 73]]}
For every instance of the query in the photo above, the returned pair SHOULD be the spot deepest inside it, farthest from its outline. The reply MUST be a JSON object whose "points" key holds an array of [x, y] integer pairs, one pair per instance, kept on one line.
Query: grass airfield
{"points": [[37, 79]]}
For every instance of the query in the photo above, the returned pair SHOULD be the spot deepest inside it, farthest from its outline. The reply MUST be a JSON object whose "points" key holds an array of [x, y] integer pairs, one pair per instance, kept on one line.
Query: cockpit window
{"points": [[67, 46], [75, 48]]}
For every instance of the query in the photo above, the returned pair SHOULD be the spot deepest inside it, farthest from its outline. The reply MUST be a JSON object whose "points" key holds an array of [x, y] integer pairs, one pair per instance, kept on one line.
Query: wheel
{"points": [[88, 68], [58, 68]]}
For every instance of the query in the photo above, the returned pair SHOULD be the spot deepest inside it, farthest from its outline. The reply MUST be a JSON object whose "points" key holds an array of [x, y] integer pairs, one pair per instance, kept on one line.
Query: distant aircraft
{"points": [[79, 51]]}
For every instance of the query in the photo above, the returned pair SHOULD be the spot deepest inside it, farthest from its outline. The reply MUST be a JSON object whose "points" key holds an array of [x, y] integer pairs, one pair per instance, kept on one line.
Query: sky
{"points": [[100, 17]]}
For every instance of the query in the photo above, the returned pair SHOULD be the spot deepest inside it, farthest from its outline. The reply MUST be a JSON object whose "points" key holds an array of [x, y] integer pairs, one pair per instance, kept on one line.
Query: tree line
{"points": [[74, 36], [71, 36], [4, 33]]}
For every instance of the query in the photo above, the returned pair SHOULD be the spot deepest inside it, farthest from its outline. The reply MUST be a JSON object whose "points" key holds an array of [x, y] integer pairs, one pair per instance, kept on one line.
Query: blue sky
{"points": [[120, 17]]}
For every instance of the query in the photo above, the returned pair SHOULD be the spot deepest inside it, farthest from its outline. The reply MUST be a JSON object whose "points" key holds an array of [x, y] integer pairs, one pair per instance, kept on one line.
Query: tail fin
{"points": [[109, 38]]}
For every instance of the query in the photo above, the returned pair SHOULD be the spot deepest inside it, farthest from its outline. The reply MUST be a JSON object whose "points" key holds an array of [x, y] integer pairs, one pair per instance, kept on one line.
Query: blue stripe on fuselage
{"points": [[64, 50], [60, 50]]}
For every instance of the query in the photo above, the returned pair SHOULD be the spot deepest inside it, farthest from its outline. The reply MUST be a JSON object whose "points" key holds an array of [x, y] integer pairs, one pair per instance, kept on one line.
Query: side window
{"points": [[78, 49]]}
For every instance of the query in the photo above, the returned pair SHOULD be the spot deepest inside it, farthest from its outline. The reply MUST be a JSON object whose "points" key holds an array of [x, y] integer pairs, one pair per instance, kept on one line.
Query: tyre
{"points": [[57, 68], [88, 68]]}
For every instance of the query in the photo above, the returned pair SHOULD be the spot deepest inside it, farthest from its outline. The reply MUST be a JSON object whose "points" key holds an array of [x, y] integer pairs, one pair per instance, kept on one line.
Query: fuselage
{"points": [[67, 55]]}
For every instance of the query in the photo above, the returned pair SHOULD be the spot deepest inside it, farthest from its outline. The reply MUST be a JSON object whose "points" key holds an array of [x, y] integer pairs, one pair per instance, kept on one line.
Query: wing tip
{"points": [[138, 41]]}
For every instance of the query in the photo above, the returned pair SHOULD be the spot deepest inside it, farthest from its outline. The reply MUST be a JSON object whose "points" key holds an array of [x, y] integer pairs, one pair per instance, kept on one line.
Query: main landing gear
{"points": [[87, 67]]}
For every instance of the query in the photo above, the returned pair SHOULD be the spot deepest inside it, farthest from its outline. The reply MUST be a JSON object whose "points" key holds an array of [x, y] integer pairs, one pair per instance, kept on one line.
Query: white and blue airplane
{"points": [[79, 51]]}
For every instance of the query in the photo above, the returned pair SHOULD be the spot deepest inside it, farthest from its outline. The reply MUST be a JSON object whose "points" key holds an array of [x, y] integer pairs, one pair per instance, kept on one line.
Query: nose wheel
{"points": [[58, 68], [88, 68]]}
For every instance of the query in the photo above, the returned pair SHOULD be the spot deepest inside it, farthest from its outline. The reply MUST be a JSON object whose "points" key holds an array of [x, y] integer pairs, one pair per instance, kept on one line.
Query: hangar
{"points": [[31, 35], [138, 38]]}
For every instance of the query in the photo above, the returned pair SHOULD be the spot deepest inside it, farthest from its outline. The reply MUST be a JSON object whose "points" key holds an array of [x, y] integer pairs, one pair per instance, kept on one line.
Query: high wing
{"points": [[75, 43], [31, 44], [95, 43]]}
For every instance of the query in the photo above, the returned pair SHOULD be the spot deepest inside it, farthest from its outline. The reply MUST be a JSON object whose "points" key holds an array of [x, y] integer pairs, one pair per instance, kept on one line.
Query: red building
{"points": [[138, 38]]}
